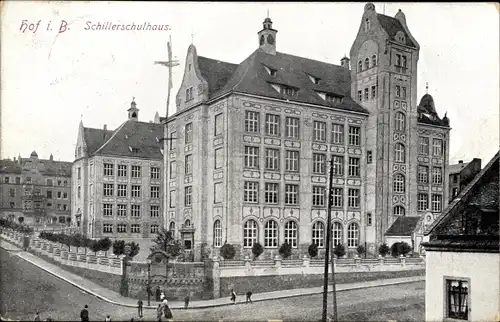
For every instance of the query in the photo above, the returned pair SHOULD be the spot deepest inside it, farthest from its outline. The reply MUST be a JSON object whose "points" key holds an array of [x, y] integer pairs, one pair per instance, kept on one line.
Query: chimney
{"points": [[344, 62], [460, 161], [105, 127], [51, 157]]}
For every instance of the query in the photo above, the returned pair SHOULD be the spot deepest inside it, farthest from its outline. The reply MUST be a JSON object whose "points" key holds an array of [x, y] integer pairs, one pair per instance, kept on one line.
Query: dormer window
{"points": [[367, 63], [271, 71], [360, 66], [133, 150], [314, 79], [287, 90], [189, 94]]}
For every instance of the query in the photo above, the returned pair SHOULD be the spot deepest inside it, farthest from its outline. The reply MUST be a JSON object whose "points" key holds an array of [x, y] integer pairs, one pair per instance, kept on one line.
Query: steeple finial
{"points": [[268, 13], [192, 38], [426, 87]]}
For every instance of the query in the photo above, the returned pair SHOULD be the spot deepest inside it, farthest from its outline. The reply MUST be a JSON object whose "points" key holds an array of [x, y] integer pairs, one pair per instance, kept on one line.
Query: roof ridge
{"points": [[315, 60], [112, 136], [218, 60], [251, 61]]}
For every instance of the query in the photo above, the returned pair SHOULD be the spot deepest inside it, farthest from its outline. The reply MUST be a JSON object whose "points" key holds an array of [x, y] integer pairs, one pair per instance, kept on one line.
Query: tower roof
{"points": [[34, 154]]}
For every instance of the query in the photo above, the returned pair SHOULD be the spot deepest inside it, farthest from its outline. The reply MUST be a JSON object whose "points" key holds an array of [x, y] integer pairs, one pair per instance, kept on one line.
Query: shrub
{"points": [[105, 244], [257, 250], [285, 250], [133, 249], [400, 248], [227, 251], [118, 247], [95, 246], [361, 250], [21, 220], [383, 249], [339, 250], [313, 250]]}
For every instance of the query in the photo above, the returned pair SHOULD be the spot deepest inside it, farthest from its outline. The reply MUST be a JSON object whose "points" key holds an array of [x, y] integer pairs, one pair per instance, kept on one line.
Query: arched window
{"points": [[337, 233], [352, 235], [360, 66], [217, 233], [399, 183], [291, 233], [318, 234], [374, 60], [262, 40], [400, 121], [399, 152], [187, 223], [271, 234], [399, 211], [171, 227], [250, 233], [367, 63]]}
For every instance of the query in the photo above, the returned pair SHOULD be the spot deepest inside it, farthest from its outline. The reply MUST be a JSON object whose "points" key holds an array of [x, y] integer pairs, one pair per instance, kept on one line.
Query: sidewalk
{"points": [[115, 298]]}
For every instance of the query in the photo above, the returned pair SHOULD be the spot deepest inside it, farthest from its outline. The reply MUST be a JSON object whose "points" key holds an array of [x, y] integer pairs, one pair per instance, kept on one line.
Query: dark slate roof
{"points": [[251, 77], [392, 26], [403, 226], [95, 138], [10, 166], [427, 112], [46, 167], [215, 72], [135, 135]]}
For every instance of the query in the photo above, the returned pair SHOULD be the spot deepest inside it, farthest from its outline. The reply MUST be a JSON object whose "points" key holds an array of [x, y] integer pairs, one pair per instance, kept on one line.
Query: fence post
{"points": [[277, 261], [306, 261], [402, 258], [247, 262], [381, 260]]}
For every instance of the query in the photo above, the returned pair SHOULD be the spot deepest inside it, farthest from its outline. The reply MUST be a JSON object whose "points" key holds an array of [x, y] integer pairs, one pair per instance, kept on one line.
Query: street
{"points": [[27, 289]]}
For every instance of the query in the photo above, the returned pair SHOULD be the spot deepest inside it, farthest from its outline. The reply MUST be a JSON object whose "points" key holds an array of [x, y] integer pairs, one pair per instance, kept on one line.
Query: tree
{"points": [[78, 240], [312, 250], [257, 250], [383, 250], [339, 250], [119, 247], [21, 220], [95, 246], [105, 245], [166, 247], [285, 250], [227, 251], [361, 250], [133, 249], [404, 249]]}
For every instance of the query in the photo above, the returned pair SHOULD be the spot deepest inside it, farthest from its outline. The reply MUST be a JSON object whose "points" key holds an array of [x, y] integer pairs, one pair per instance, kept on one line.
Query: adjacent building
{"points": [[462, 254], [35, 191], [117, 179], [461, 174], [254, 141]]}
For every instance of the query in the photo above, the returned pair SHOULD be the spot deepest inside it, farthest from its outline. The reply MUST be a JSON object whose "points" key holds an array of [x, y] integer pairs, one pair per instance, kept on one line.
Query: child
{"points": [[233, 297], [249, 296], [186, 301]]}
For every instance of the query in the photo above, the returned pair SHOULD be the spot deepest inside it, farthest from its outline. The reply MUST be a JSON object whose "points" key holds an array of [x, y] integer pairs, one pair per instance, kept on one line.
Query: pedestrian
{"points": [[139, 307], [168, 312], [249, 296], [186, 301], [108, 318], [158, 294], [233, 296], [162, 295], [37, 317], [84, 314], [159, 312]]}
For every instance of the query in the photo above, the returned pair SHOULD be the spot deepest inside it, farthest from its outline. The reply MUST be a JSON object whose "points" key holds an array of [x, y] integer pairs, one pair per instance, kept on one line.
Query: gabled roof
{"points": [[392, 26], [403, 226], [95, 138], [251, 77]]}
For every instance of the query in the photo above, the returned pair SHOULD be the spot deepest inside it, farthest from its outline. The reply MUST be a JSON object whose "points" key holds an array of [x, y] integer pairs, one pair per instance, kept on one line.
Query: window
{"points": [[337, 134], [173, 143], [136, 171], [135, 228], [250, 233], [368, 219], [399, 152], [366, 94], [135, 210], [455, 178], [107, 228], [436, 203], [457, 299], [154, 229], [338, 165], [271, 193], [172, 198], [6, 179], [353, 198], [251, 157], [155, 173], [219, 124], [374, 92], [188, 133], [352, 235], [291, 194], [218, 191], [318, 234], [59, 194], [171, 227], [189, 94], [291, 233], [188, 165], [354, 167], [107, 209], [398, 60], [400, 122], [437, 175], [318, 196], [136, 191], [188, 196], [360, 95], [319, 163], [155, 192], [455, 192], [122, 170], [122, 210], [437, 147], [154, 211], [122, 190], [28, 179], [219, 158], [399, 183], [252, 122], [13, 193], [79, 192], [108, 190], [423, 145], [398, 91], [18, 180], [422, 202], [404, 62], [360, 66], [49, 182], [319, 131], [65, 195], [108, 169], [354, 135], [173, 170], [404, 92], [287, 90], [271, 234], [337, 233], [399, 211], [272, 159], [121, 228], [217, 233], [272, 124], [423, 174], [374, 60], [367, 24], [338, 197], [292, 161], [292, 127], [369, 156], [367, 63]]}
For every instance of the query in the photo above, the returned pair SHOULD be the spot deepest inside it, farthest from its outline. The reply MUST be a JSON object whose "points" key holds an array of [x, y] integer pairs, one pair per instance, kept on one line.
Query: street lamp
{"points": [[149, 282]]}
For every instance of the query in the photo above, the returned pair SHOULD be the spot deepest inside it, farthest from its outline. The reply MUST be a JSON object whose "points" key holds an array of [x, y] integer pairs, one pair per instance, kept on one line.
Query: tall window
{"points": [[399, 152], [319, 131], [399, 211], [398, 60], [251, 157], [173, 170], [154, 229], [319, 163], [338, 197], [404, 63], [352, 235], [398, 91], [188, 165], [172, 198], [437, 175], [360, 66], [122, 170], [437, 147], [318, 194], [173, 143], [360, 95], [291, 194], [155, 173], [135, 210], [136, 191], [367, 24], [423, 174], [122, 190], [374, 60], [318, 234], [366, 94], [107, 209], [457, 299], [354, 135], [219, 158], [423, 145], [188, 133], [219, 124], [271, 234], [292, 127], [272, 124], [353, 198], [436, 203], [171, 227], [400, 122], [108, 189], [107, 228], [399, 183], [272, 159], [367, 63], [121, 228], [353, 167], [218, 191], [155, 192], [189, 94], [217, 233], [337, 134], [374, 92], [251, 192], [422, 202], [252, 122], [108, 169], [271, 193], [188, 192], [337, 233], [291, 233], [135, 228], [338, 165], [291, 161], [404, 92], [136, 171], [154, 211], [250, 231]]}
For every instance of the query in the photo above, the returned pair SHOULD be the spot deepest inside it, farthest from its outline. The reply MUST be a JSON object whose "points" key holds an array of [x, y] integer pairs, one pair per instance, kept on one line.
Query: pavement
{"points": [[115, 298]]}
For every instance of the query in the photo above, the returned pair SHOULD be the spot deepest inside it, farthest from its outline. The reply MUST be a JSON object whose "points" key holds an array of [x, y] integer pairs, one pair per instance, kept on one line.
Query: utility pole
{"points": [[329, 238]]}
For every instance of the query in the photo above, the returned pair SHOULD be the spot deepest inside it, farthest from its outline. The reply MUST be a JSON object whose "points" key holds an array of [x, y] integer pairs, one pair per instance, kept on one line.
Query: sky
{"points": [[51, 80]]}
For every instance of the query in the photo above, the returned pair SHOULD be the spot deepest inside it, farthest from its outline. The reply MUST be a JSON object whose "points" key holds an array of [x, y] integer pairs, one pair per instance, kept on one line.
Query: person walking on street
{"points": [[159, 312], [233, 297], [139, 308], [84, 314], [249, 296], [158, 294], [162, 296], [37, 317], [186, 301]]}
